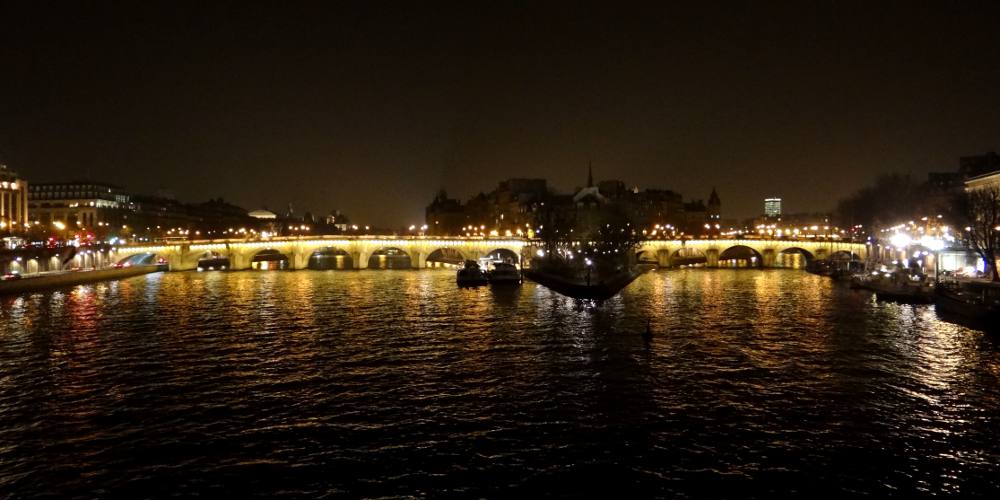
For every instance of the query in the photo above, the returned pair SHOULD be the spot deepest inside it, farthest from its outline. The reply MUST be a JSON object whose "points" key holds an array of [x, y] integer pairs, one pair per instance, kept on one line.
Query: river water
{"points": [[399, 384]]}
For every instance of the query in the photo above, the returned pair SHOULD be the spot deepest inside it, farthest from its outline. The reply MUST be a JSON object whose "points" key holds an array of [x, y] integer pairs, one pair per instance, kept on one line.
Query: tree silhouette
{"points": [[980, 209]]}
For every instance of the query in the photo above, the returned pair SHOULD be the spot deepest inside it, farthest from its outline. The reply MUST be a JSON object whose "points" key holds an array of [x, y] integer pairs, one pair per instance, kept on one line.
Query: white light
{"points": [[900, 240], [935, 244]]}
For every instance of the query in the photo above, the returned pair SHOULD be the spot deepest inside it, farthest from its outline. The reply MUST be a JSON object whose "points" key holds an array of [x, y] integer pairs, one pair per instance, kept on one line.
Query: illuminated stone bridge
{"points": [[670, 253], [356, 251], [360, 252]]}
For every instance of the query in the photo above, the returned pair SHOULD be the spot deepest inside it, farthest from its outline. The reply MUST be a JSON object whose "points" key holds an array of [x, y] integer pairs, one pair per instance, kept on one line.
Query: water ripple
{"points": [[398, 384]]}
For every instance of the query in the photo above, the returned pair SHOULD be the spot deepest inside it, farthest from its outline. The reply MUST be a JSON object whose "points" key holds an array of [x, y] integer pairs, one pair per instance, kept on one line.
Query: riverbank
{"points": [[71, 278]]}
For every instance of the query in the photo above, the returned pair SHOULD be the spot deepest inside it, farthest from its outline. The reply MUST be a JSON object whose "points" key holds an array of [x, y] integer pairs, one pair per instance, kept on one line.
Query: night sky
{"points": [[372, 107]]}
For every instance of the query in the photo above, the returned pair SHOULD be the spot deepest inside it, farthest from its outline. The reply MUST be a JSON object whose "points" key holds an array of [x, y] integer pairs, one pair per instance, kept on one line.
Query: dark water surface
{"points": [[396, 383]]}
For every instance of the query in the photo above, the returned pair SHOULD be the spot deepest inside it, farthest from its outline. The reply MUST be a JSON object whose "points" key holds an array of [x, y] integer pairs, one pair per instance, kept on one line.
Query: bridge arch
{"points": [[14, 266], [447, 256], [269, 259], [504, 255], [209, 254], [647, 256], [390, 258], [740, 256], [139, 259], [330, 258], [794, 258], [688, 257], [844, 255]]}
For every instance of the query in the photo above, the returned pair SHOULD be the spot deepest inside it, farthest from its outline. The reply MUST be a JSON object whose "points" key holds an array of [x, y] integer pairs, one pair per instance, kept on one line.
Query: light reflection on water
{"points": [[384, 383]]}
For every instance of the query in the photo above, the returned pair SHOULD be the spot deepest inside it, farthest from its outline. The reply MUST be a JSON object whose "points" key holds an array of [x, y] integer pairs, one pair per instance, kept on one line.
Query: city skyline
{"points": [[369, 108]]}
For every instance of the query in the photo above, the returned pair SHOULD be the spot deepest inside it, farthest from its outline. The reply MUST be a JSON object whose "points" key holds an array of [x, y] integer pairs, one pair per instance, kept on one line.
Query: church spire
{"points": [[590, 174], [714, 205]]}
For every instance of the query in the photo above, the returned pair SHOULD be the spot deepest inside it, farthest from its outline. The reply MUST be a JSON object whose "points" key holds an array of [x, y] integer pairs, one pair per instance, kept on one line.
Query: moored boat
{"points": [[898, 287], [471, 275], [902, 286], [917, 293], [863, 281], [504, 273], [213, 263], [820, 267], [977, 302]]}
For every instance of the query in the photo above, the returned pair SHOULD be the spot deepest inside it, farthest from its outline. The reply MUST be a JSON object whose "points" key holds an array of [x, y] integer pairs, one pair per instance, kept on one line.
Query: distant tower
{"points": [[714, 206], [772, 207], [590, 174]]}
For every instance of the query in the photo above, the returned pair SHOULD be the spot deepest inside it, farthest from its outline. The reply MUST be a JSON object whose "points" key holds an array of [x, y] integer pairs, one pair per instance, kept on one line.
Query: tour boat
{"points": [[504, 273], [471, 275]]}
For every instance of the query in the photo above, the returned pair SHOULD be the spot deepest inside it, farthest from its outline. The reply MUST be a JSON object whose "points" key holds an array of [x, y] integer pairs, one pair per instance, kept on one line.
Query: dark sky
{"points": [[372, 107]]}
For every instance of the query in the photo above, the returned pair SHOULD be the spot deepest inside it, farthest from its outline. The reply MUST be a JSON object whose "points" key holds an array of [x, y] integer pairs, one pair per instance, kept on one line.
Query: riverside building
{"points": [[13, 202]]}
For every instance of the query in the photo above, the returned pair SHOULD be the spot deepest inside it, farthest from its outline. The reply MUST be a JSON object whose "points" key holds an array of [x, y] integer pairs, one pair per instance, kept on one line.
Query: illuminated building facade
{"points": [[13, 202], [105, 210], [78, 204], [985, 181], [772, 207]]}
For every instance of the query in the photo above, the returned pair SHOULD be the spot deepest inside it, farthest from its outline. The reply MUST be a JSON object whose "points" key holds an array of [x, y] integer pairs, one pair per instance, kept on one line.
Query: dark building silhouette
{"points": [[714, 206], [516, 206], [445, 216], [968, 167], [974, 166]]}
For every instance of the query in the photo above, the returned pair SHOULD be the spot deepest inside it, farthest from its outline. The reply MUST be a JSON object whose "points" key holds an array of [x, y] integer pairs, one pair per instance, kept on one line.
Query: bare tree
{"points": [[892, 198], [981, 209]]}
